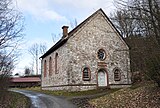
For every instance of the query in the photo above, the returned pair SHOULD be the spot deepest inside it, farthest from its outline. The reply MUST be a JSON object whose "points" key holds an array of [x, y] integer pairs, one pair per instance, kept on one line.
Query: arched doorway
{"points": [[102, 78]]}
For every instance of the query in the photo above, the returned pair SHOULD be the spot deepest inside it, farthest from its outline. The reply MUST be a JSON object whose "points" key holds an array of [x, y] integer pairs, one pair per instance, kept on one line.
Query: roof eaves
{"points": [[56, 46]]}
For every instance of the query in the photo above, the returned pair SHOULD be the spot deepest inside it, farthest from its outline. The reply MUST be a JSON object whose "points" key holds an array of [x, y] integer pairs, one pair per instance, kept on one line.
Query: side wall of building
{"points": [[55, 78]]}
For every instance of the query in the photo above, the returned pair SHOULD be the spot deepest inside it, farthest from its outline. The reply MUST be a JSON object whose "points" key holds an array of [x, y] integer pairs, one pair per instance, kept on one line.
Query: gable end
{"points": [[62, 41]]}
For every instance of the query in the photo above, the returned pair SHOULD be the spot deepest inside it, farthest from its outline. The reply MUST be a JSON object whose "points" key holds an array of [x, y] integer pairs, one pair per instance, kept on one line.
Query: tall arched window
{"points": [[56, 64], [117, 75], [45, 68], [50, 66], [86, 74]]}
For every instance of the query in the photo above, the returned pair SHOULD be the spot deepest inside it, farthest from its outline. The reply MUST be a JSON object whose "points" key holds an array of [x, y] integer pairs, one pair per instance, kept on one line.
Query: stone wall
{"points": [[84, 45], [81, 50], [60, 77]]}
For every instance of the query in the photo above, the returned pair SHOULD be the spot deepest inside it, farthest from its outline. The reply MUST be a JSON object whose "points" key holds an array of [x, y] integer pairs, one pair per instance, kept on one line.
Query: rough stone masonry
{"points": [[64, 63]]}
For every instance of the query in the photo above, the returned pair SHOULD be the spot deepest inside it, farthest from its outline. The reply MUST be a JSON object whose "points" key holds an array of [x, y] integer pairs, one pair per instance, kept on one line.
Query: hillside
{"points": [[141, 96]]}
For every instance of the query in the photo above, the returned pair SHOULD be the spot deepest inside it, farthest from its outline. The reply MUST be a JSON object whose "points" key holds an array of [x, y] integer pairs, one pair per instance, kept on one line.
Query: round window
{"points": [[101, 54]]}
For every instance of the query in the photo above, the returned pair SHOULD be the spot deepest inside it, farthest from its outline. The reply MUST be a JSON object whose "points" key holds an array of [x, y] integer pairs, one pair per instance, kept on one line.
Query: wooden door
{"points": [[102, 78]]}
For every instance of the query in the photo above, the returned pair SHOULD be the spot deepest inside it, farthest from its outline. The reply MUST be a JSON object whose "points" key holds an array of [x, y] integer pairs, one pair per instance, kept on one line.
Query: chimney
{"points": [[65, 31]]}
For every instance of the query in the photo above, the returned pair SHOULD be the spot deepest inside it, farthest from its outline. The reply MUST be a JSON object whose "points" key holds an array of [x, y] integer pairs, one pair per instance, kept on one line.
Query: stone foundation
{"points": [[71, 87], [82, 87]]}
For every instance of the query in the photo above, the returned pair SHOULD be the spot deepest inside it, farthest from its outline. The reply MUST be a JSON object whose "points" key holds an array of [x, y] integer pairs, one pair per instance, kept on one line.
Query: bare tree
{"points": [[6, 64], [73, 23], [56, 37], [27, 71], [145, 38], [31, 65], [36, 50], [11, 27], [42, 48], [146, 16], [124, 22]]}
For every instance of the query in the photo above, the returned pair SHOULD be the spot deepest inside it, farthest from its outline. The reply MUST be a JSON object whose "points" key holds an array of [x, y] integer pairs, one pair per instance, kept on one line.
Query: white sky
{"points": [[46, 17]]}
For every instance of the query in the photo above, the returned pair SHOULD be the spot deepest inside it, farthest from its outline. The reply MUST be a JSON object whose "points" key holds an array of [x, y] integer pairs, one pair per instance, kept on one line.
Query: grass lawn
{"points": [[13, 100], [71, 94]]}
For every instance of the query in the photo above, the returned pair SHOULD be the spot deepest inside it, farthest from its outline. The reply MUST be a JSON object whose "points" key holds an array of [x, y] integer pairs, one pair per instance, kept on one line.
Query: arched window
{"points": [[56, 64], [50, 66], [45, 68], [117, 75], [101, 54], [86, 74]]}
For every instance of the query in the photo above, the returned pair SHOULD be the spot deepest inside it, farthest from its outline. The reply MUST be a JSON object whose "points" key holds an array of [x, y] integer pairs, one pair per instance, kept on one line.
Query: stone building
{"points": [[93, 55]]}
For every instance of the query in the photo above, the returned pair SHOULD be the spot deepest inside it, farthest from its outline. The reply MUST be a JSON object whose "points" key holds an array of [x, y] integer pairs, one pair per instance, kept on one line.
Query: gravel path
{"points": [[39, 100], [82, 101]]}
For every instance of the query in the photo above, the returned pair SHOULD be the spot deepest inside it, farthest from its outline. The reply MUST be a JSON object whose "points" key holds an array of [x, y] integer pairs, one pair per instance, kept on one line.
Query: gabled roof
{"points": [[62, 41], [56, 46]]}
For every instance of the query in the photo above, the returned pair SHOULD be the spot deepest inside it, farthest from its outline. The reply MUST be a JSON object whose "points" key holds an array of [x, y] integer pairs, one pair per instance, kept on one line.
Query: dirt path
{"points": [[39, 100]]}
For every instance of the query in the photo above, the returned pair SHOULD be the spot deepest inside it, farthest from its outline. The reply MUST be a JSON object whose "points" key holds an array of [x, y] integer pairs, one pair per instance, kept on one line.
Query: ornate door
{"points": [[102, 78]]}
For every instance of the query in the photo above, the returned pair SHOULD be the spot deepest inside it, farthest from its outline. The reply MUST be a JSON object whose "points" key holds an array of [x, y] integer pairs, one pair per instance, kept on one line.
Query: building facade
{"points": [[93, 55]]}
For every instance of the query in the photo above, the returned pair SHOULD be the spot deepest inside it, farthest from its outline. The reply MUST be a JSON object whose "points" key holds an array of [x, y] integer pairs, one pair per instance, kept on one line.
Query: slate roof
{"points": [[62, 41]]}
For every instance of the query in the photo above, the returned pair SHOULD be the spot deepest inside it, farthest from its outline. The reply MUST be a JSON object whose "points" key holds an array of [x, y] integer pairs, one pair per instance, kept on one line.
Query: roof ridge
{"points": [[83, 22]]}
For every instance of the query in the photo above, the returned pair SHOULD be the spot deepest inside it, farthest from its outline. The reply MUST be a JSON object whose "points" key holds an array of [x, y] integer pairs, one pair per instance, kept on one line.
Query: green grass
{"points": [[71, 94], [19, 100], [14, 100]]}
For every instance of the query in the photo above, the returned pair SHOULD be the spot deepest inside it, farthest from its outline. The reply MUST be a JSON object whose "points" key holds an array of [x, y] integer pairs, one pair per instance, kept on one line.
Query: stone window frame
{"points": [[117, 74], [56, 63], [50, 66], [104, 54], [89, 74], [45, 68]]}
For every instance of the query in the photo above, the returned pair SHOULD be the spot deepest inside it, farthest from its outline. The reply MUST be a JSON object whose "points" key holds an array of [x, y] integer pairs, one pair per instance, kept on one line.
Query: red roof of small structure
{"points": [[26, 79]]}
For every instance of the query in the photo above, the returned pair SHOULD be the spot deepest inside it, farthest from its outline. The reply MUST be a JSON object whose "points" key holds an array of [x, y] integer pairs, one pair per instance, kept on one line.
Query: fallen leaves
{"points": [[13, 100], [141, 97]]}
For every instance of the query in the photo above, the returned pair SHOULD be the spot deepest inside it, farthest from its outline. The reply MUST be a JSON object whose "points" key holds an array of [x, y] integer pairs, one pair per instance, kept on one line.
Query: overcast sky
{"points": [[45, 18]]}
